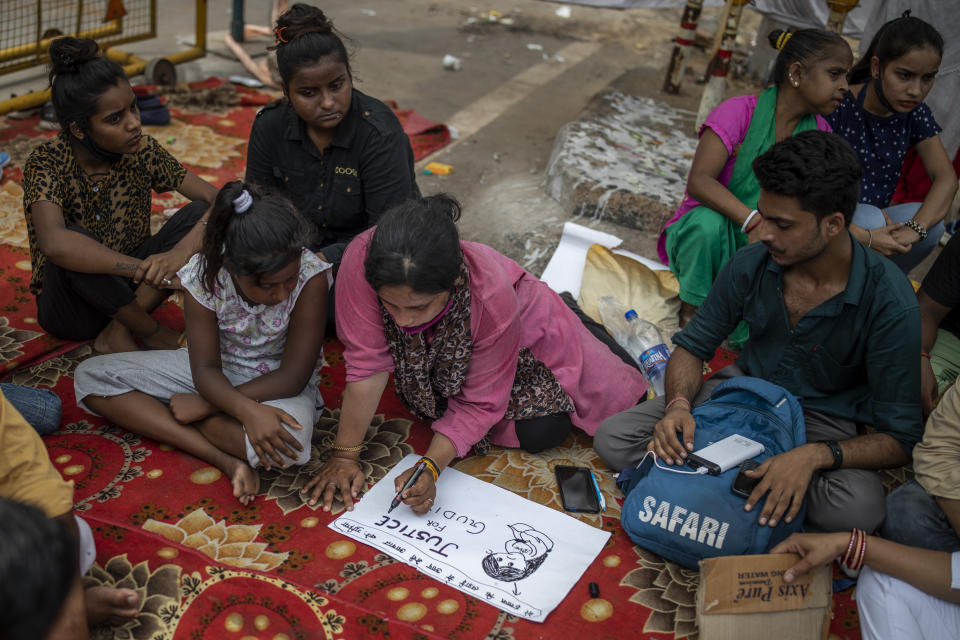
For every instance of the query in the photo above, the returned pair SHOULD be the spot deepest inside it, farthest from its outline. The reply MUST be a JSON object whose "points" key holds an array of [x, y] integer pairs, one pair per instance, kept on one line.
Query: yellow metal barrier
{"points": [[29, 27]]}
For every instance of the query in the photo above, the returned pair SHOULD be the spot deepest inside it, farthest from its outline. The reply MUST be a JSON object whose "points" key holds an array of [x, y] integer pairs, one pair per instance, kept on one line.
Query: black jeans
{"points": [[538, 434], [77, 306]]}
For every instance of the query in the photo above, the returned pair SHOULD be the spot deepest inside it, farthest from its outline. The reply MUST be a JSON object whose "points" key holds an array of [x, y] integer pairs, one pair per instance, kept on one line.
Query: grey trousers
{"points": [[163, 373], [836, 500], [917, 520]]}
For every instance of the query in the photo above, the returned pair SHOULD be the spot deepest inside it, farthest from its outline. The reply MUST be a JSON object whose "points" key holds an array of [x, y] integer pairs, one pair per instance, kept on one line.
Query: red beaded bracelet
{"points": [[846, 557], [856, 551], [861, 551]]}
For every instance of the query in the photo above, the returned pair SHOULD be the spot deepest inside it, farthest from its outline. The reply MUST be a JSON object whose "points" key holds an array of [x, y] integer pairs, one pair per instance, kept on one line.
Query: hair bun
{"points": [[68, 54], [299, 20], [778, 38]]}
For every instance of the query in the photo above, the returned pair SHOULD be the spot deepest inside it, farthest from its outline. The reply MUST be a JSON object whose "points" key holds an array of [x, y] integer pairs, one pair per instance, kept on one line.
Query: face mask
{"points": [[96, 150], [878, 88], [427, 325]]}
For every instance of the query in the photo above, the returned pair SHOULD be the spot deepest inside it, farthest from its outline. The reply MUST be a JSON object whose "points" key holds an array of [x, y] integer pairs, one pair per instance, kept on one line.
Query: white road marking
{"points": [[482, 112]]}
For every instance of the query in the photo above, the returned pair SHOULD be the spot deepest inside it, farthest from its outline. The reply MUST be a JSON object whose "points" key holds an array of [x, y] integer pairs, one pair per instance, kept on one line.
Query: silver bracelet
{"points": [[743, 227], [870, 240], [916, 226]]}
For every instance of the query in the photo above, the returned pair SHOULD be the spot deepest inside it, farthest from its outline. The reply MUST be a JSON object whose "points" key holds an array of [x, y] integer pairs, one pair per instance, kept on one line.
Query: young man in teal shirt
{"points": [[834, 323]]}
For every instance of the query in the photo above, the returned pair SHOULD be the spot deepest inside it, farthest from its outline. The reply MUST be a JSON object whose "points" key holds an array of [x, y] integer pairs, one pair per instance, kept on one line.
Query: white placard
{"points": [[564, 272], [653, 265], [487, 542]]}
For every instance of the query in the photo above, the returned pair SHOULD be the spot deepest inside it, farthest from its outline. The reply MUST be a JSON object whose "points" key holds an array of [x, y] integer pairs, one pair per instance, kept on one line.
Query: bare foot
{"points": [[165, 338], [115, 338], [109, 605], [245, 482]]}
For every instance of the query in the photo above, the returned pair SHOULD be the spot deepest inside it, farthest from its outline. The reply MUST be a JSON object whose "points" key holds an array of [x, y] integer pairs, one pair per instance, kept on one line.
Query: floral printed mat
{"points": [[167, 525]]}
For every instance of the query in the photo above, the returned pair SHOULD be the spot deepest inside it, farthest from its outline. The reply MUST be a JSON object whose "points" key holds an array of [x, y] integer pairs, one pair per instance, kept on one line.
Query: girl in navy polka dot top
{"points": [[883, 115]]}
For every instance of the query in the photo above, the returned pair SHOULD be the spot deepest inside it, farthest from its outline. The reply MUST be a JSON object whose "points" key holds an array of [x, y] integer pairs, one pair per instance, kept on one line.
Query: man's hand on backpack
{"points": [[665, 443], [785, 478]]}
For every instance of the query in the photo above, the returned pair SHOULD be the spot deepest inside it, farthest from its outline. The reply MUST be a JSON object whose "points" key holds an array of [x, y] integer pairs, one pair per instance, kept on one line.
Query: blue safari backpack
{"points": [[686, 517]]}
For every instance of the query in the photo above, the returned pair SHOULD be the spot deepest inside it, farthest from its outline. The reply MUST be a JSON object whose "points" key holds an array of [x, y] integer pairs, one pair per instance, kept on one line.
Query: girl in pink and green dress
{"points": [[718, 211]]}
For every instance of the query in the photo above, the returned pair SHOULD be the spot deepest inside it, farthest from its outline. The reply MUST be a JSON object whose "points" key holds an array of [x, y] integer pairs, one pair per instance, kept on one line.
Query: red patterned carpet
{"points": [[208, 568]]}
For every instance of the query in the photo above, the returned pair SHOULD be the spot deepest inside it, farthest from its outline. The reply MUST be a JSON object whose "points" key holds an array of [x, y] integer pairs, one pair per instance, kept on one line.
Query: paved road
{"points": [[521, 79]]}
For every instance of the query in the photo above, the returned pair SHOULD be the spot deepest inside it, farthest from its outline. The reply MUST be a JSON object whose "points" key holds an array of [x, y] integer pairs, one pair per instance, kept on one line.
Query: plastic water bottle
{"points": [[611, 313], [645, 343]]}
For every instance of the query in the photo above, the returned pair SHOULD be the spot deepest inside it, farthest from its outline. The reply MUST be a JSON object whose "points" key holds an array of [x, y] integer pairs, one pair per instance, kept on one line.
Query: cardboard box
{"points": [[745, 598]]}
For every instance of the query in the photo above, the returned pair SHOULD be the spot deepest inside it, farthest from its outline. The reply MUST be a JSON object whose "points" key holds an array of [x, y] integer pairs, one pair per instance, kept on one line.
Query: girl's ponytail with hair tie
{"points": [[242, 202], [782, 40]]}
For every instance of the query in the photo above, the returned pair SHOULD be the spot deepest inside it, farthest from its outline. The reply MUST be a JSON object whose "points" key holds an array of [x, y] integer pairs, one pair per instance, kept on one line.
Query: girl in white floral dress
{"points": [[237, 398]]}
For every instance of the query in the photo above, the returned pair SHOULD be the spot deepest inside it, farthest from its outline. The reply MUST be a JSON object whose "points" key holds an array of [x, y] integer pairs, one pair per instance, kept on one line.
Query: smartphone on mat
{"points": [[577, 489], [743, 485]]}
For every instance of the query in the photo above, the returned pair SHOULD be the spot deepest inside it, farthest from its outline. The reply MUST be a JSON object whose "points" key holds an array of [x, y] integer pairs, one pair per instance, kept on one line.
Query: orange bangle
{"points": [[432, 466], [925, 354]]}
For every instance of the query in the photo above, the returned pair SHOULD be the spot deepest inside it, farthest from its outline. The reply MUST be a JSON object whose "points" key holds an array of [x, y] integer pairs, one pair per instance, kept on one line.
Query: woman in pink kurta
{"points": [[479, 347]]}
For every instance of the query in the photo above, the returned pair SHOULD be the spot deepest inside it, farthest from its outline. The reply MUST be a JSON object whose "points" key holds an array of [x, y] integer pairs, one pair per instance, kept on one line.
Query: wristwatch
{"points": [[837, 453]]}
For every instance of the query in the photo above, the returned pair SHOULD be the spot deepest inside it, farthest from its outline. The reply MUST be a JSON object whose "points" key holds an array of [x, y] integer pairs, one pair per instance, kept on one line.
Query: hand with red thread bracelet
{"points": [[674, 401]]}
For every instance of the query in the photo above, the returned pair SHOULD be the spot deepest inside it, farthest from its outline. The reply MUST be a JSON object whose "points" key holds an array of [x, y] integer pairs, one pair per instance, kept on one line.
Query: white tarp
{"points": [[487, 542]]}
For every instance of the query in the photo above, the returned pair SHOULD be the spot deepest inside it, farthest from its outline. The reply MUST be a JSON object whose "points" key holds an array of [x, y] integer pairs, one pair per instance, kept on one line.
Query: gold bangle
{"points": [[356, 447]]}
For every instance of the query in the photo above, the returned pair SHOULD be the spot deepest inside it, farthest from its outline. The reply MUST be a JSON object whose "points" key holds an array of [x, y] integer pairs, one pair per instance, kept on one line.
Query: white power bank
{"points": [[725, 454]]}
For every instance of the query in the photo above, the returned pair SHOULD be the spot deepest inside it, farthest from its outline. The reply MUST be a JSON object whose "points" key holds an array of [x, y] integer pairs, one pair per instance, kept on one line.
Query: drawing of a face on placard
{"points": [[480, 539], [523, 554]]}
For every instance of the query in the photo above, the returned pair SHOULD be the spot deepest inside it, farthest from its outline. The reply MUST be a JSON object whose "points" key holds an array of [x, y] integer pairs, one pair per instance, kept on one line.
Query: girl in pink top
{"points": [[478, 346]]}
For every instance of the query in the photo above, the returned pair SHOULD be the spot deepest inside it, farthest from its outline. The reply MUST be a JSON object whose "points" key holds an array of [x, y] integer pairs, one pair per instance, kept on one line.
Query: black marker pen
{"points": [[413, 479]]}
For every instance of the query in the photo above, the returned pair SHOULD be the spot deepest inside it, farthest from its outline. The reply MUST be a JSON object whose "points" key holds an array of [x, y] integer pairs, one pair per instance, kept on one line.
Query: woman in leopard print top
{"points": [[97, 271]]}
